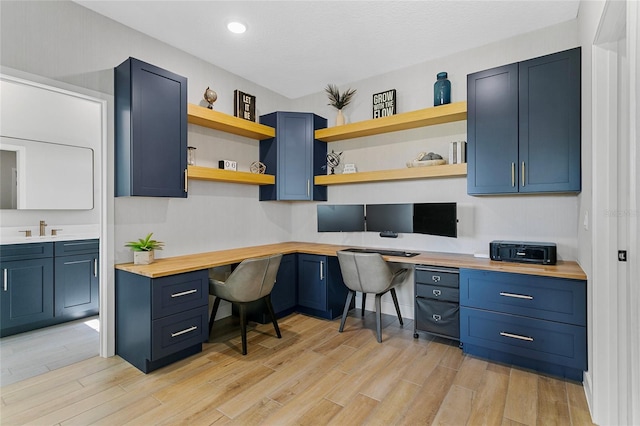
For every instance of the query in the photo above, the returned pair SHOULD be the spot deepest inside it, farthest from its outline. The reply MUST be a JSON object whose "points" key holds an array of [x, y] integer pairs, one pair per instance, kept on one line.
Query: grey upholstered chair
{"points": [[252, 280], [369, 273]]}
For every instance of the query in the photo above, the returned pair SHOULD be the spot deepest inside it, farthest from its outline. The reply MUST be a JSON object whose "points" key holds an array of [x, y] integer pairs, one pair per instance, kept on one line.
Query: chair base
{"points": [[378, 312], [242, 307]]}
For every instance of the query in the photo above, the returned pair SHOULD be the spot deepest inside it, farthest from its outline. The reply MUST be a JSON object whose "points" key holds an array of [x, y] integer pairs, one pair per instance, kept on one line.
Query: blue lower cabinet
{"points": [[77, 286], [321, 290], [530, 321], [160, 320]]}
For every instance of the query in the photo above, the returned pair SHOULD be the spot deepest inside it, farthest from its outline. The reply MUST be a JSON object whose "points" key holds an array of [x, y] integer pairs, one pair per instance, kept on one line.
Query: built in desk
{"points": [[524, 314]]}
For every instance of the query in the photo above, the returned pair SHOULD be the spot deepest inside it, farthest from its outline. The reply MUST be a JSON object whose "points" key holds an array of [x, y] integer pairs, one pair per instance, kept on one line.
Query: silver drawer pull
{"points": [[184, 293], [516, 336], [517, 296], [435, 278], [186, 330], [437, 292], [5, 279], [436, 317]]}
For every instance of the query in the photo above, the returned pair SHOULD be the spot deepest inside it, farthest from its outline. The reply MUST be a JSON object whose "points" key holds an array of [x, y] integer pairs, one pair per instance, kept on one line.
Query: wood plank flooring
{"points": [[312, 376], [36, 352]]}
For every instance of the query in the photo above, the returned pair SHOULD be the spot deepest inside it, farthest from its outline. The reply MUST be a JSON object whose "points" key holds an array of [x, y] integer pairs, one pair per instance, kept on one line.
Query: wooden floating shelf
{"points": [[212, 119], [446, 170], [221, 175], [393, 123]]}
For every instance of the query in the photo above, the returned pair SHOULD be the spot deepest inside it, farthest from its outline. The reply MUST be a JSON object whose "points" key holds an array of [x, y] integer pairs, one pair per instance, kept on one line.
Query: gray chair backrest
{"points": [[365, 272], [253, 278]]}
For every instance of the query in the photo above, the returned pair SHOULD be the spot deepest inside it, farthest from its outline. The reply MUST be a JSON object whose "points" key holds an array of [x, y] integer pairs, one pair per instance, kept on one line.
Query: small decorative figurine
{"points": [[258, 167], [333, 161], [210, 96]]}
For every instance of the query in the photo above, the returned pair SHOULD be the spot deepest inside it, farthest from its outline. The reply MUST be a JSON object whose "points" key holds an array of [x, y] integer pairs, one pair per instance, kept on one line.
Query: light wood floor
{"points": [[36, 352], [312, 376]]}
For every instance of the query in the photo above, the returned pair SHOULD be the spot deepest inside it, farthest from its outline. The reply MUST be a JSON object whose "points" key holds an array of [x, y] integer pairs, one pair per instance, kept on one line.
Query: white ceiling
{"points": [[297, 47]]}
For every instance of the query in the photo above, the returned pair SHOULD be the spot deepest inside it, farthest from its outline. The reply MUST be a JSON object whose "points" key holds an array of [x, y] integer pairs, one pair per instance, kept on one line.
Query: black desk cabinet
{"points": [[294, 156], [437, 310], [150, 131], [532, 321], [523, 126], [321, 289], [160, 320]]}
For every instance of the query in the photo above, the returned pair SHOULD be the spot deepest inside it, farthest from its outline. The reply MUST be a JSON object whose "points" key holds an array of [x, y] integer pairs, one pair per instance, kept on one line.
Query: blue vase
{"points": [[441, 90]]}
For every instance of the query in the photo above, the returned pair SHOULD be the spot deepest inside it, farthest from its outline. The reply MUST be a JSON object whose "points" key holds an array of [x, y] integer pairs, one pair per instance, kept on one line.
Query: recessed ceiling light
{"points": [[237, 27]]}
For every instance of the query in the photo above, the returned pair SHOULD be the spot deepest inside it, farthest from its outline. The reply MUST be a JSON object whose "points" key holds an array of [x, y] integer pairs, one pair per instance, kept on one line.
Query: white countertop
{"points": [[12, 235]]}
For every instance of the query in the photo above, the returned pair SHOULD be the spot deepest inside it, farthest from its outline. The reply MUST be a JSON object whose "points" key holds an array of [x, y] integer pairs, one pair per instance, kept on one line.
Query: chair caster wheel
{"points": [[415, 335]]}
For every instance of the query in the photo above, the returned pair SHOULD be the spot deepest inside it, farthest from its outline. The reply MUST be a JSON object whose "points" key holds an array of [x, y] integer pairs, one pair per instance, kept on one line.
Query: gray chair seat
{"points": [[369, 273], [252, 280]]}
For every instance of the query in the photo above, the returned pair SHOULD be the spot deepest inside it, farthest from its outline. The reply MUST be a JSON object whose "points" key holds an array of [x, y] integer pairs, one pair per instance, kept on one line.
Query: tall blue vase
{"points": [[441, 90]]}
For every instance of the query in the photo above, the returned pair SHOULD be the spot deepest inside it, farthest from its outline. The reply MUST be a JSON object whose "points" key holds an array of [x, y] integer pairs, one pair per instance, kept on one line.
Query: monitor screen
{"points": [[390, 217], [340, 218], [435, 219]]}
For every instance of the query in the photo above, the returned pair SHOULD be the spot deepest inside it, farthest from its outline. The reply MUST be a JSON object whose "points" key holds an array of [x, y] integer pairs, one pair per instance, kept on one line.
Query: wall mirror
{"points": [[45, 176]]}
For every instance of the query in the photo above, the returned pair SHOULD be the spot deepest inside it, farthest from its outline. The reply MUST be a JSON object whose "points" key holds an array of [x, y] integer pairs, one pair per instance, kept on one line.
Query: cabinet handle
{"points": [[436, 317], [321, 270], [516, 336], [437, 293], [5, 278], [186, 181], [516, 296], [95, 267], [523, 173], [184, 293], [307, 187], [186, 330], [513, 174], [435, 278]]}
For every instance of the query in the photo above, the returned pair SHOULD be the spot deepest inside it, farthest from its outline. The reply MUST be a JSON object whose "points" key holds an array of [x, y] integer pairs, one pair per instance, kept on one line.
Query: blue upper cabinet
{"points": [[523, 126], [151, 131], [294, 156]]}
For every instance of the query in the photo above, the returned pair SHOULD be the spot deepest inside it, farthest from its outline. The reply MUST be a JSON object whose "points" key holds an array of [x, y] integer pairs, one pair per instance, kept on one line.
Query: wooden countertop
{"points": [[194, 262]]}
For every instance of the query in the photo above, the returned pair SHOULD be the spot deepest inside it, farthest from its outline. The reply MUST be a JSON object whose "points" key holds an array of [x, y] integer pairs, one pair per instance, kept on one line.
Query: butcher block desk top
{"points": [[195, 262]]}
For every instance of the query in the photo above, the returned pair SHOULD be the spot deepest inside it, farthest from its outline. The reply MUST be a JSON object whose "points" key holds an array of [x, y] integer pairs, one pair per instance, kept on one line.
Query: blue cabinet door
{"points": [[549, 126], [312, 281], [26, 296], [284, 293], [294, 156], [151, 131], [523, 126], [492, 130], [76, 289]]}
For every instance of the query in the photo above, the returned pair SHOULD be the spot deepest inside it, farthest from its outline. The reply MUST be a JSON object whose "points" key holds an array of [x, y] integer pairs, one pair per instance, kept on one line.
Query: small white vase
{"points": [[339, 118], [143, 257]]}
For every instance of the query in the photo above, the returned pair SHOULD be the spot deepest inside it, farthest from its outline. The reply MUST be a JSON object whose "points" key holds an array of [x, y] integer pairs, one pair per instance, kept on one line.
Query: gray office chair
{"points": [[252, 280], [369, 273]]}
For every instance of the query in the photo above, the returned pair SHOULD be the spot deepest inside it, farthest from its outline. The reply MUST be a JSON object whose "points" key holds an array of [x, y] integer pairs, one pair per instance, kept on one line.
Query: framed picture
{"points": [[244, 105], [384, 103]]}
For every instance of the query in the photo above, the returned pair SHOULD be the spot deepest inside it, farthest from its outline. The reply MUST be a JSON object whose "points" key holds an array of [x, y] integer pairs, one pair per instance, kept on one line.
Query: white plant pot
{"points": [[143, 257]]}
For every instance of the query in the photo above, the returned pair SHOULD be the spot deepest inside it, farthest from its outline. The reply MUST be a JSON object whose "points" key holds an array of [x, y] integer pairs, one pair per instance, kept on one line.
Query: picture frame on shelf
{"points": [[244, 105], [384, 103]]}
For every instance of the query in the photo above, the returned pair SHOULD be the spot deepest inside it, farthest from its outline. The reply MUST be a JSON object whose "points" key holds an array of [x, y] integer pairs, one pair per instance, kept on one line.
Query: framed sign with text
{"points": [[244, 105], [384, 103]]}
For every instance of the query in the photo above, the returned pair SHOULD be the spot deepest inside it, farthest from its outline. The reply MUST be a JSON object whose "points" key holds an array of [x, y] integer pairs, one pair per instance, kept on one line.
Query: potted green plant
{"points": [[144, 249], [339, 101]]}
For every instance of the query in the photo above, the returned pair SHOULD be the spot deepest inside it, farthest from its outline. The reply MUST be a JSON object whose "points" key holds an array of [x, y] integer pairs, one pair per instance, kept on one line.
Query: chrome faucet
{"points": [[42, 226]]}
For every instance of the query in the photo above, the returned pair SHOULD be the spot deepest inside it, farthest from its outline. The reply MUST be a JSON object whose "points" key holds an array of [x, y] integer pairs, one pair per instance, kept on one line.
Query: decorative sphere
{"points": [[333, 159], [210, 96]]}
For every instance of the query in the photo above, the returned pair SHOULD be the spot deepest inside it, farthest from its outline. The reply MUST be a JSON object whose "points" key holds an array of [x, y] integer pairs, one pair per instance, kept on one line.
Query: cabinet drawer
{"points": [[448, 294], [178, 293], [65, 248], [438, 276], [551, 342], [177, 332], [25, 251], [437, 317], [555, 299]]}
